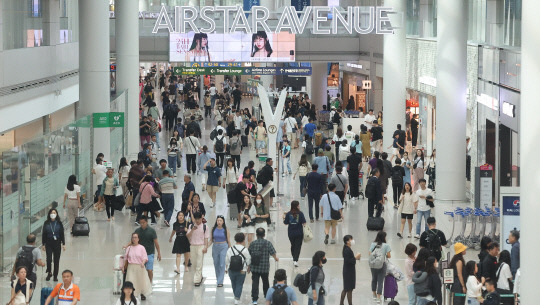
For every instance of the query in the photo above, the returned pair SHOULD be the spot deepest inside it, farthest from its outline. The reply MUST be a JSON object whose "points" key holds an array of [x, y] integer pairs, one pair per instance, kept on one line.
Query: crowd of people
{"points": [[330, 171]]}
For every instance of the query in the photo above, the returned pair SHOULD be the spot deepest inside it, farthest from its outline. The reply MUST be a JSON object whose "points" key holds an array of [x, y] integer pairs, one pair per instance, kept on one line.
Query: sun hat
{"points": [[459, 247]]}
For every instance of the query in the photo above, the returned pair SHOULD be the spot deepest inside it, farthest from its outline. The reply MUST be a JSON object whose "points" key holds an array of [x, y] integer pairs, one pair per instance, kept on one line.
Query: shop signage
{"points": [[186, 18], [486, 185], [509, 109], [241, 71], [448, 276], [357, 66], [366, 84], [428, 80], [108, 119], [511, 205]]}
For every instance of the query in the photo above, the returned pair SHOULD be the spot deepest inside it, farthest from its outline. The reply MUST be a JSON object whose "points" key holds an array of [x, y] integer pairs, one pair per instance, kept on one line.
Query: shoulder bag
{"points": [[137, 199], [308, 233], [334, 214]]}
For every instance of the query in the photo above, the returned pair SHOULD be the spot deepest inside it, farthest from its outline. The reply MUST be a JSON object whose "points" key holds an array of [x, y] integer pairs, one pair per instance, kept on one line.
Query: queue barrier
{"points": [[504, 297]]}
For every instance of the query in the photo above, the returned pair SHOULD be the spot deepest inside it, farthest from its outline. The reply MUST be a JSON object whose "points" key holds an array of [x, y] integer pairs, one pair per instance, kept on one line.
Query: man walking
{"points": [[192, 145], [260, 251], [29, 256], [236, 148], [266, 174], [187, 193], [423, 209], [214, 179], [323, 166], [148, 238], [374, 193], [331, 202], [433, 239], [315, 182]]}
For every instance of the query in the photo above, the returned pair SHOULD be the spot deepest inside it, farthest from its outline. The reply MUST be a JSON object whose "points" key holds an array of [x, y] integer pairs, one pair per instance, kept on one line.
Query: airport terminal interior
{"points": [[362, 151]]}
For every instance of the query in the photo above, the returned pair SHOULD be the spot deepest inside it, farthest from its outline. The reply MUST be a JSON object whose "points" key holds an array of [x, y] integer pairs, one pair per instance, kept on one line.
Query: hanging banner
{"points": [[300, 4]]}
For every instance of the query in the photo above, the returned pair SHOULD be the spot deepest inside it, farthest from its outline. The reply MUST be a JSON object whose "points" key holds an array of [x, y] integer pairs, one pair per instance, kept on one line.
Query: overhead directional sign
{"points": [[241, 71]]}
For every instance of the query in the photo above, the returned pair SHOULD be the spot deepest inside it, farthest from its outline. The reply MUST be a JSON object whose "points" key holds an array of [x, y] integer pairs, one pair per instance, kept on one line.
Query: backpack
{"points": [[261, 177], [26, 259], [237, 260], [371, 192], [279, 297], [219, 145], [336, 118], [234, 147], [142, 156], [318, 138], [213, 134], [180, 129], [377, 258], [434, 243], [397, 178], [302, 281], [309, 148]]}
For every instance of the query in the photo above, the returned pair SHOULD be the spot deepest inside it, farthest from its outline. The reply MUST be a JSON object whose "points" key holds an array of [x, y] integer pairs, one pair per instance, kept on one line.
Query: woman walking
{"points": [[123, 175], [181, 242], [262, 215], [53, 240], [377, 275], [136, 258], [430, 170], [172, 155], [72, 194], [194, 207], [231, 176], [203, 158], [407, 166], [407, 208], [108, 191], [304, 167], [220, 244], [349, 269], [410, 251], [147, 192], [127, 297], [316, 275], [21, 288], [458, 265], [248, 216], [296, 221], [418, 167]]}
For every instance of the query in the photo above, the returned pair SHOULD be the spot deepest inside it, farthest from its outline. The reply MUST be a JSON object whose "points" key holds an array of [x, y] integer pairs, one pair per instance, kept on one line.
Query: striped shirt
{"points": [[66, 296]]}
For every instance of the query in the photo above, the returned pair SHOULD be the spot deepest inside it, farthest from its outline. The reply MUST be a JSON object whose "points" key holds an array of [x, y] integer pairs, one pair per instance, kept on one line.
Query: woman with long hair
{"points": [[316, 274], [421, 258], [337, 139], [458, 265], [220, 241], [377, 275], [474, 286], [407, 208], [21, 288], [380, 118], [349, 269], [434, 282], [135, 270], [260, 45], [172, 155], [73, 195], [53, 241], [295, 220], [262, 215], [108, 191], [248, 215], [430, 170], [147, 192], [304, 167], [123, 175], [204, 156], [181, 242], [410, 251], [194, 207], [408, 167], [126, 296], [504, 275], [418, 166], [199, 48]]}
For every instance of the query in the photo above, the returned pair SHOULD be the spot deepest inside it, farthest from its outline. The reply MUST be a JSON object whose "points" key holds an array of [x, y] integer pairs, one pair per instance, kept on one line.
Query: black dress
{"points": [[354, 161], [181, 243], [349, 269]]}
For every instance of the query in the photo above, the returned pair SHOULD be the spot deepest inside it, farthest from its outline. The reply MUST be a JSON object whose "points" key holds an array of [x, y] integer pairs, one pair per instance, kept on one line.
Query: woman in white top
{"points": [[248, 218], [407, 208], [304, 167], [231, 176], [238, 277], [429, 169], [344, 152], [418, 169], [503, 273], [123, 175], [127, 297], [474, 286], [72, 194]]}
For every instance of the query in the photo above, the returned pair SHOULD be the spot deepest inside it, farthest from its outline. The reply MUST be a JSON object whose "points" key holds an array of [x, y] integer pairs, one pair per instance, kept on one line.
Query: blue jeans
{"points": [[419, 216], [167, 201], [157, 139], [219, 253], [473, 302], [288, 162], [172, 163], [412, 295], [237, 282], [302, 184]]}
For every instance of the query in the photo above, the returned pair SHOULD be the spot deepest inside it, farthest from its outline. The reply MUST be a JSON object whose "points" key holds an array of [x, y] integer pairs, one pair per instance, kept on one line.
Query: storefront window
{"points": [[422, 18], [22, 24]]}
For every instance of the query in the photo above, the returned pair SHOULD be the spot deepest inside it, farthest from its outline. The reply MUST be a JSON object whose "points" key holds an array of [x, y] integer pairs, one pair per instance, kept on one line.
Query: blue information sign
{"points": [[511, 205]]}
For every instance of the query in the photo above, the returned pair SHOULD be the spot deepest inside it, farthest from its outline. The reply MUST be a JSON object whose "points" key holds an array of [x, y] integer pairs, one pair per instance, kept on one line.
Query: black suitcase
{"points": [[375, 223], [119, 202], [81, 227], [244, 141]]}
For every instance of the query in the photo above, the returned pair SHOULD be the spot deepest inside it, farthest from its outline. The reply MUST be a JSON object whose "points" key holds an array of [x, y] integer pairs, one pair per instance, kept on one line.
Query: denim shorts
{"points": [[150, 264], [260, 144]]}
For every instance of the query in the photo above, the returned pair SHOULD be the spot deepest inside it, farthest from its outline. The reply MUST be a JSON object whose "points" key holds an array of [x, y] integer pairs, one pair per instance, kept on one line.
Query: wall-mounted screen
{"points": [[230, 47]]}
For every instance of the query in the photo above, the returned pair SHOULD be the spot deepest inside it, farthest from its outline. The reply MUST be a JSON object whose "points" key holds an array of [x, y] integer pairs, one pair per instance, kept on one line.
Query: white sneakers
{"points": [[295, 263], [417, 236]]}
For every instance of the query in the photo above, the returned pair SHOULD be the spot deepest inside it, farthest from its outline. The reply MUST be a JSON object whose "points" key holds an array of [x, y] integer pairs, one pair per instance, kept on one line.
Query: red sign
{"points": [[113, 67], [486, 167]]}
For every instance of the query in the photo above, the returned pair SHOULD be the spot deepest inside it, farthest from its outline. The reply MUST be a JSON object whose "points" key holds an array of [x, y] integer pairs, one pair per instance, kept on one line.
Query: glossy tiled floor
{"points": [[91, 258]]}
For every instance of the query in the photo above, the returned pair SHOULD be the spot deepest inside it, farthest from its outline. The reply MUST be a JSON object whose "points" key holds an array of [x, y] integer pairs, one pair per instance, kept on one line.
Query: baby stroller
{"points": [[393, 275]]}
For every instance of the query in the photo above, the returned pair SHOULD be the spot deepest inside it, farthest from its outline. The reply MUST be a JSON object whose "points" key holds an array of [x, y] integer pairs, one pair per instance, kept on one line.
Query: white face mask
{"points": [[437, 265], [259, 201], [352, 242], [53, 216]]}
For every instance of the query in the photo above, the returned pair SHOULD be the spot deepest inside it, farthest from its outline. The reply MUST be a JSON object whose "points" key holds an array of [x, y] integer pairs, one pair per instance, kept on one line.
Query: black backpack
{"points": [[261, 177], [309, 148], [26, 259], [213, 134], [397, 178], [434, 243], [336, 118], [237, 260], [371, 192], [219, 145], [302, 281], [279, 297]]}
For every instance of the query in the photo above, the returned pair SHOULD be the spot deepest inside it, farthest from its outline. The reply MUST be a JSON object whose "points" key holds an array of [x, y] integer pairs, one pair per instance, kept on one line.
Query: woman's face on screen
{"points": [[259, 42], [204, 42]]}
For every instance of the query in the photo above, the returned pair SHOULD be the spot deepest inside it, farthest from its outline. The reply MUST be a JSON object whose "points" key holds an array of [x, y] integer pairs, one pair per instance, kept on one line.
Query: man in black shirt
{"points": [[402, 138], [490, 264], [266, 174], [377, 197], [237, 96], [376, 136], [433, 239], [315, 184]]}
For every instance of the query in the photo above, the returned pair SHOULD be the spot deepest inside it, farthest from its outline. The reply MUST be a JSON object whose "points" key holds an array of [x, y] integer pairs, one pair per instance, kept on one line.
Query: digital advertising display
{"points": [[232, 47]]}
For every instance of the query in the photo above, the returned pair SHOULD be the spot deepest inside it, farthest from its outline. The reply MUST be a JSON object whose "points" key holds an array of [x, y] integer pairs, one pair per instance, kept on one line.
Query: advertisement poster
{"points": [[299, 5], [232, 47], [333, 74], [510, 217]]}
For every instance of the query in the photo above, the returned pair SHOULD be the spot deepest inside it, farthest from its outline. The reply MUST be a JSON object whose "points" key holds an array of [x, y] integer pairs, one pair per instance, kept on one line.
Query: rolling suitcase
{"points": [[118, 281], [390, 287], [233, 211], [375, 223], [244, 141], [45, 293], [81, 227]]}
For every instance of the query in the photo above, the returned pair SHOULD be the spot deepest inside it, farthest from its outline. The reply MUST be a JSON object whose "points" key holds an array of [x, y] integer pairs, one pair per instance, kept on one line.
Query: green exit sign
{"points": [[108, 119]]}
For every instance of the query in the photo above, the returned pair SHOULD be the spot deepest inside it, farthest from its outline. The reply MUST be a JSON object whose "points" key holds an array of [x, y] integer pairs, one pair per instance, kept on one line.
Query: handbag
{"points": [[334, 214], [129, 200], [308, 233]]}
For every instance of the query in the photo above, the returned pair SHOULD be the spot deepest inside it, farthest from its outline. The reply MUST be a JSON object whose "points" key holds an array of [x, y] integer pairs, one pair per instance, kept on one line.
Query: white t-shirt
{"points": [[223, 138], [101, 173], [213, 90], [289, 124], [368, 120], [124, 171], [192, 145], [349, 135], [422, 205], [339, 139], [73, 194], [118, 302], [238, 122], [504, 275], [474, 287]]}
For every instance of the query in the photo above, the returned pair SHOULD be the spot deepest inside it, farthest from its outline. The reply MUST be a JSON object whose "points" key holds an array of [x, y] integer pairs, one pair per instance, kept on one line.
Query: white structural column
{"points": [[529, 133], [319, 82], [127, 65], [394, 72], [94, 71], [451, 99]]}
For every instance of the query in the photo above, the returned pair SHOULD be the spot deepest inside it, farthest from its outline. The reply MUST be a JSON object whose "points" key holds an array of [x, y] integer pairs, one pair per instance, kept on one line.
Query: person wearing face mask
{"points": [[316, 275], [262, 215], [53, 242], [349, 269]]}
